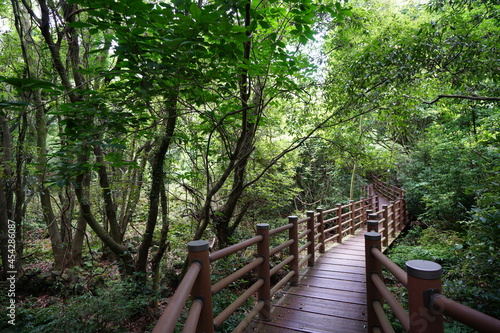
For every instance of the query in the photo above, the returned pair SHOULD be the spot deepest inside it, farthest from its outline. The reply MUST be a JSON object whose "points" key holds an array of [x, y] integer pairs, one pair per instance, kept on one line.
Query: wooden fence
{"points": [[422, 279], [304, 237]]}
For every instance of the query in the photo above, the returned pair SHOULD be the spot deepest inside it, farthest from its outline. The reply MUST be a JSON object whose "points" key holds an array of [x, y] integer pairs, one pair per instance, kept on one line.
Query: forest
{"points": [[131, 127]]}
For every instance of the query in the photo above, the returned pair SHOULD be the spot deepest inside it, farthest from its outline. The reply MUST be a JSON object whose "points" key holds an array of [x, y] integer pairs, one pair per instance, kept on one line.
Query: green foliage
{"points": [[477, 282], [109, 310], [443, 247], [469, 259], [223, 299]]}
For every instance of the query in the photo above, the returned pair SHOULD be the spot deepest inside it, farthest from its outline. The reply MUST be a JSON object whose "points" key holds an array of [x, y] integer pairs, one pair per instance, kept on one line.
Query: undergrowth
{"points": [[110, 309], [470, 267]]}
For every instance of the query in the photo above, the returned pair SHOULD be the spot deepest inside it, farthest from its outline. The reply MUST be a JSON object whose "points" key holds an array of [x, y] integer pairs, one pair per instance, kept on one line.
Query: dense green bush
{"points": [[430, 244], [109, 310], [469, 260]]}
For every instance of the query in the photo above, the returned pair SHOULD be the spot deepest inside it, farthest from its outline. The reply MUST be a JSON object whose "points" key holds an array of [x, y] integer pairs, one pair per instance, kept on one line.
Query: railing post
{"points": [[395, 225], [310, 238], [321, 230], [293, 233], [202, 289], [339, 223], [385, 216], [372, 223], [423, 277], [398, 214], [367, 216], [404, 212], [264, 271], [373, 266], [362, 211], [351, 209]]}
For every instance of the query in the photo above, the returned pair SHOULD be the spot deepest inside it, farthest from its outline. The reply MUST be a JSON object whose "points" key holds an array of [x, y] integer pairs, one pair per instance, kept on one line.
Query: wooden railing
{"points": [[306, 236], [422, 279], [389, 191]]}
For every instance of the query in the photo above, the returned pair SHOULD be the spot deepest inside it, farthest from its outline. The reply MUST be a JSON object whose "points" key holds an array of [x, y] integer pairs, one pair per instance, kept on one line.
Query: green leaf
{"points": [[12, 103], [195, 11], [29, 84], [264, 24]]}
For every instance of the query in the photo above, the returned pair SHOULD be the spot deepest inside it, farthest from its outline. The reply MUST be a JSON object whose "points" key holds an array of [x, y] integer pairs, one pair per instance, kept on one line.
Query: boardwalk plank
{"points": [[327, 307], [335, 275], [333, 284], [331, 267], [284, 319], [330, 297], [345, 296]]}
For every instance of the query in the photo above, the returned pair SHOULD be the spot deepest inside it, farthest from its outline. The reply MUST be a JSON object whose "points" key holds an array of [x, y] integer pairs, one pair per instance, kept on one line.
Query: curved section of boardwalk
{"points": [[330, 297]]}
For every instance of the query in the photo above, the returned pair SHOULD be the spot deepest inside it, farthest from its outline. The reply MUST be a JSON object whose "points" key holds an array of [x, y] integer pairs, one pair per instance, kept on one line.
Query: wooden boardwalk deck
{"points": [[330, 297]]}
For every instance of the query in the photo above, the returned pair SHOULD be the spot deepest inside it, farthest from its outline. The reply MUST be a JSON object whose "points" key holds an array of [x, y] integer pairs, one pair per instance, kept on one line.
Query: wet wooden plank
{"points": [[286, 320], [332, 267], [334, 284], [345, 296], [326, 307], [335, 275], [338, 261], [330, 297]]}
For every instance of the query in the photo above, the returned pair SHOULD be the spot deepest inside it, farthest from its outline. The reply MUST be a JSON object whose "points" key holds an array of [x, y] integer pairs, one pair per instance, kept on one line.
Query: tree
{"points": [[114, 87]]}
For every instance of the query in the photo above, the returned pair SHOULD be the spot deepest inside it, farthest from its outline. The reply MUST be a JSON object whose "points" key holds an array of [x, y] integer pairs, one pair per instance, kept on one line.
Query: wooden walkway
{"points": [[330, 297]]}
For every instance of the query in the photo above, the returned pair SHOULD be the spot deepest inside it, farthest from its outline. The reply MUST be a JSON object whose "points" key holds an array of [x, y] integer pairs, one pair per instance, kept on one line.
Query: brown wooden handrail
{"points": [[308, 235], [472, 318], [426, 304], [421, 278], [168, 320]]}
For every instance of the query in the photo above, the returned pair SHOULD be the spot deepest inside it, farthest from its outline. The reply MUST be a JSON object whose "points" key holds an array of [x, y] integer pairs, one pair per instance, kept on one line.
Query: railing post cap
{"points": [[424, 269], [372, 216], [310, 212], [261, 226], [198, 246], [372, 222], [319, 209], [293, 217], [372, 235]]}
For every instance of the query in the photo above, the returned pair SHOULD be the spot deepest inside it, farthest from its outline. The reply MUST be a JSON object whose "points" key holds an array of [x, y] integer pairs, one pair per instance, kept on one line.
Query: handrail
{"points": [[169, 317], [470, 317], [422, 280], [222, 253], [309, 234], [397, 271]]}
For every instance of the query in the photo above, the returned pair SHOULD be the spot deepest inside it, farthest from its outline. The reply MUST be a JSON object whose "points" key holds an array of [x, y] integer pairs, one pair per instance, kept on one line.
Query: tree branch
{"points": [[472, 97]]}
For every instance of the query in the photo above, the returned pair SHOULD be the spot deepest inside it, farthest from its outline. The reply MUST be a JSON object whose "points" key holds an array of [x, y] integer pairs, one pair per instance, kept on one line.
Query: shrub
{"points": [[110, 310]]}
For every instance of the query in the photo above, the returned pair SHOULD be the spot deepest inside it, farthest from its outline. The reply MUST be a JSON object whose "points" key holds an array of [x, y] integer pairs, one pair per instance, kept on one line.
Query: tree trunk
{"points": [[109, 204], [79, 235], [163, 245], [23, 28], [156, 183], [134, 194], [58, 248], [118, 249]]}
